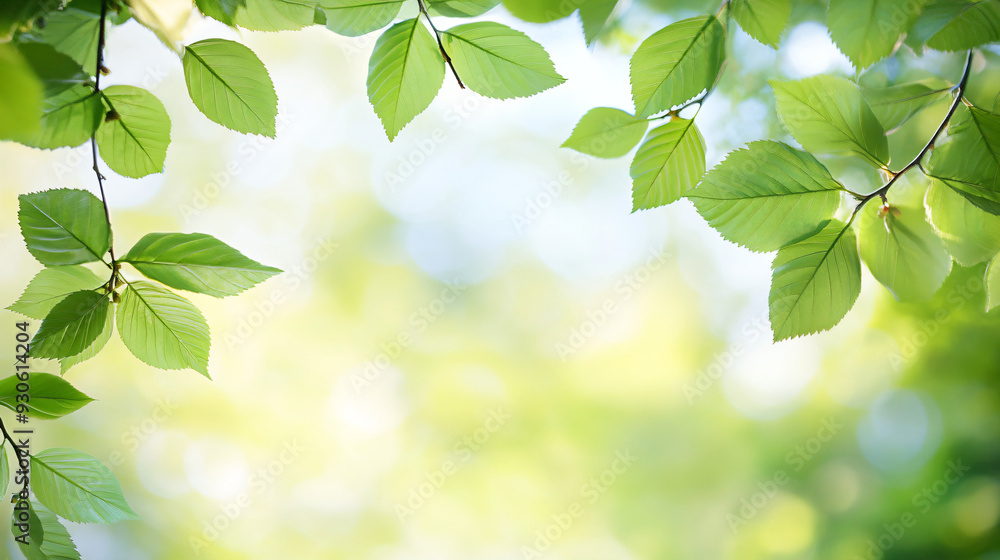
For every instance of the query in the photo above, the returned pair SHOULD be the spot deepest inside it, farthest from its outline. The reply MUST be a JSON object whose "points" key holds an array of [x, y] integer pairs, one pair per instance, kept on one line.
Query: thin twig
{"points": [[437, 35], [93, 138], [6, 436]]}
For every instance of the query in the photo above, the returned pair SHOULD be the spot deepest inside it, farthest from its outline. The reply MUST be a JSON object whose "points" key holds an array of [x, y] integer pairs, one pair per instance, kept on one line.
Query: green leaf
{"points": [[275, 15], [815, 282], [607, 133], [903, 253], [767, 196], [74, 32], [52, 285], [230, 86], [196, 262], [540, 11], [26, 521], [993, 283], [221, 10], [895, 105], [20, 96], [986, 199], [970, 234], [69, 118], [135, 143], [4, 467], [21, 14], [462, 8], [499, 62], [971, 153], [668, 164], [57, 71], [935, 15], [868, 30], [50, 396], [353, 18], [64, 226], [56, 542], [78, 487], [976, 25], [829, 114], [763, 20], [677, 63], [94, 348], [594, 15], [72, 325], [405, 72], [163, 329]]}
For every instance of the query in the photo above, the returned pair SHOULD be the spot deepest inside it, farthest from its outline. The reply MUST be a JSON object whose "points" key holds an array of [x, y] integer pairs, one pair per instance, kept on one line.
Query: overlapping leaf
{"points": [[353, 18], [767, 195], [668, 164], [897, 104], [275, 15], [977, 24], [72, 325], [763, 20], [64, 226], [970, 234], [868, 30], [540, 11], [57, 71], [94, 348], [163, 329], [20, 96], [607, 133], [52, 285], [68, 118], [134, 144], [970, 159], [78, 487], [54, 543], [903, 253], [462, 8]]}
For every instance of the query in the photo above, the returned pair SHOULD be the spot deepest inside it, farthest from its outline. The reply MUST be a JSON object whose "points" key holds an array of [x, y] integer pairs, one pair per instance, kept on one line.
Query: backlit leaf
{"points": [[668, 164], [903, 253], [64, 226], [353, 18], [135, 143], [50, 396], [72, 325], [78, 487], [163, 329], [763, 20], [52, 285], [607, 133]]}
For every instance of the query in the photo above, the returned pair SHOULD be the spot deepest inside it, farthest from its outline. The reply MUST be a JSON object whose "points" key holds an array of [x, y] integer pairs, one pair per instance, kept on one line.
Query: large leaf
{"points": [[52, 285], [829, 114], [462, 8], [902, 252], [57, 71], [72, 325], [971, 153], [677, 63], [405, 72], [668, 164], [78, 487], [135, 143], [815, 282], [763, 20], [976, 25], [275, 15], [499, 62], [230, 86], [196, 262], [353, 18], [767, 195], [897, 104], [594, 15], [540, 11], [868, 30], [20, 96], [73, 31], [969, 233], [64, 226], [163, 329], [50, 396], [607, 133], [94, 348], [68, 118]]}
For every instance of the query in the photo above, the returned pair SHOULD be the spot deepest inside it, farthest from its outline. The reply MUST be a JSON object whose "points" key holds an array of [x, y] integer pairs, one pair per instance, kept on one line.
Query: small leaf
{"points": [[895, 105], [50, 396], [868, 30], [970, 234], [68, 119], [196, 262], [353, 18], [72, 325], [677, 63], [829, 114], [993, 283], [230, 86], [763, 20], [78, 487], [135, 143], [667, 165], [94, 348], [594, 15], [462, 8], [815, 282], [540, 11], [405, 72], [275, 15], [976, 25], [903, 253], [163, 329], [20, 96], [220, 10], [499, 62], [52, 285], [767, 195], [607, 133], [64, 226]]}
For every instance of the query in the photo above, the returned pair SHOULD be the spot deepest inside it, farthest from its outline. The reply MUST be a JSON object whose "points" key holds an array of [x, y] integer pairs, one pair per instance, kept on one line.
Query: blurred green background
{"points": [[477, 352]]}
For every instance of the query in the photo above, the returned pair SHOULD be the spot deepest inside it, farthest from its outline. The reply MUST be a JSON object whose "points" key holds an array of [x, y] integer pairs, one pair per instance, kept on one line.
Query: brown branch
{"points": [[437, 35]]}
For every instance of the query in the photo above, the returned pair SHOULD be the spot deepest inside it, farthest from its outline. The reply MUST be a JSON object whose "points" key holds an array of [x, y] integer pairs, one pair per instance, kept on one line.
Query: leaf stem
{"points": [[437, 35], [113, 265], [6, 436], [917, 161]]}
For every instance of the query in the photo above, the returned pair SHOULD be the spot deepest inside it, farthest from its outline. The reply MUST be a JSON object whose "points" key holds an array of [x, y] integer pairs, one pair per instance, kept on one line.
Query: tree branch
{"points": [[437, 35], [100, 69]]}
